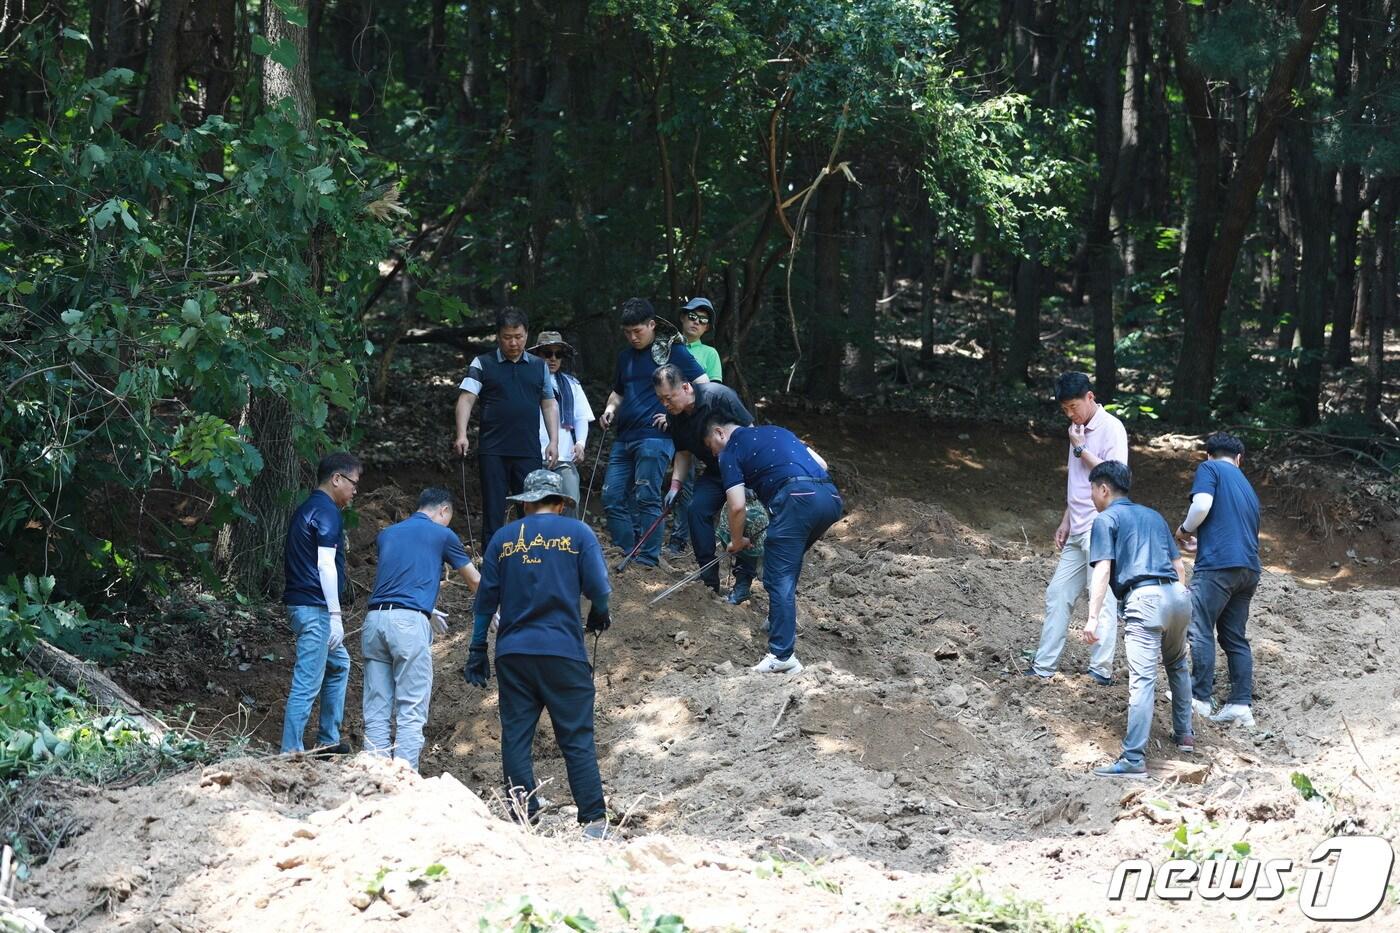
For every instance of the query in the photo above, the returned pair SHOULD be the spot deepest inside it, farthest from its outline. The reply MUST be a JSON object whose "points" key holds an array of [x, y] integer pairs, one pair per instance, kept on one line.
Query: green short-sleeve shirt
{"points": [[708, 357]]}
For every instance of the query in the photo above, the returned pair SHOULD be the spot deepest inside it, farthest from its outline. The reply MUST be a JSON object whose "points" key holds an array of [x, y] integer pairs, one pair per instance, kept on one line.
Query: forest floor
{"points": [[907, 758]]}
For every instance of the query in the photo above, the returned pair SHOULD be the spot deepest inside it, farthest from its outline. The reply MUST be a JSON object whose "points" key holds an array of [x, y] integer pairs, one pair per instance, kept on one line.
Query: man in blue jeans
{"points": [[1131, 551], [534, 571], [791, 481], [1222, 527], [397, 639], [642, 451], [314, 570]]}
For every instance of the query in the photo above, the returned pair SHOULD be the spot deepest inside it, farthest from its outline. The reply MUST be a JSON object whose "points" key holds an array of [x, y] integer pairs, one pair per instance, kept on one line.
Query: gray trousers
{"points": [[1071, 579], [568, 474], [1155, 620], [397, 646]]}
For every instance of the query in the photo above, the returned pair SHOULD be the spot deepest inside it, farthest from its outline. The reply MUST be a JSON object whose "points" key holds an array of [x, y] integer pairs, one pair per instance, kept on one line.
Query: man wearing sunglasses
{"points": [[574, 413], [696, 318], [315, 579]]}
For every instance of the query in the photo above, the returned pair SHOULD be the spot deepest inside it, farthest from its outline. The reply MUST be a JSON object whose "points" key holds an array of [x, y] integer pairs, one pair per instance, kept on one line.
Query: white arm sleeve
{"points": [[330, 580], [1200, 508], [583, 413]]}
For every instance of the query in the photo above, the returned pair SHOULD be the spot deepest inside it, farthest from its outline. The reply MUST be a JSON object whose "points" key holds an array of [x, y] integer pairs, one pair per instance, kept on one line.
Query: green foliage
{"points": [[1304, 785], [144, 292], [1242, 41], [1201, 843], [45, 729], [965, 904]]}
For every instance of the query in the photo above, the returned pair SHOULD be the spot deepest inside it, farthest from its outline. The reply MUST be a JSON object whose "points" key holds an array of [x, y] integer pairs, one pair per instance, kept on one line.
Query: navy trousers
{"points": [[802, 512], [707, 507], [530, 683], [501, 477]]}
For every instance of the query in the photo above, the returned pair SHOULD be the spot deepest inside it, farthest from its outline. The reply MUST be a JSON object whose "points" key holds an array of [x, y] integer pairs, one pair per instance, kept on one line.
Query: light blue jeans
{"points": [[1071, 579], [1155, 621], [318, 672], [398, 649]]}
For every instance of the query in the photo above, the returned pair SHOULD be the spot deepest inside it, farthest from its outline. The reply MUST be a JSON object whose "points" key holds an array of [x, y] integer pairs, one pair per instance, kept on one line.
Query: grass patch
{"points": [[966, 904]]}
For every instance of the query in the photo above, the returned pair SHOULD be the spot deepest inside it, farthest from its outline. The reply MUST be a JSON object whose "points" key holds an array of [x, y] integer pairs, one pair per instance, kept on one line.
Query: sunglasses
{"points": [[697, 317], [554, 354]]}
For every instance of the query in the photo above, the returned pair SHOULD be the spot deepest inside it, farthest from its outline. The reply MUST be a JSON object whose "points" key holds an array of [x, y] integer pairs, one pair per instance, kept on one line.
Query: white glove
{"points": [[439, 620], [495, 621], [337, 632]]}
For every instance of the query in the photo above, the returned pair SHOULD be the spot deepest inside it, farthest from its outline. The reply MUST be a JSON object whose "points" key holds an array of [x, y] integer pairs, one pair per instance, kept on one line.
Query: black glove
{"points": [[478, 669], [598, 620]]}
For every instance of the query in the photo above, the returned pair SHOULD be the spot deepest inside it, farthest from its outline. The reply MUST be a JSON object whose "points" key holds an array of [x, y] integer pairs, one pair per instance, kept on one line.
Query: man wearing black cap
{"points": [[690, 408], [574, 412], [639, 457], [535, 570]]}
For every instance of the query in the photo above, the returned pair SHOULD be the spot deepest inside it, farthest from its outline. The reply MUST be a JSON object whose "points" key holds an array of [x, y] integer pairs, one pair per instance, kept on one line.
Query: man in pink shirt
{"points": [[1094, 436]]}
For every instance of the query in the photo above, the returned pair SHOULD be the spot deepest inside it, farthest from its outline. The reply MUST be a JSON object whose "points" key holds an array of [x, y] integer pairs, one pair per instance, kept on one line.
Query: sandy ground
{"points": [[910, 753]]}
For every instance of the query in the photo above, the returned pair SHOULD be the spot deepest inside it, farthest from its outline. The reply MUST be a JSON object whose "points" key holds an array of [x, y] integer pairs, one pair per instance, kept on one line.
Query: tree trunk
{"points": [[865, 286], [1382, 300], [1098, 239], [162, 76], [437, 44], [249, 549], [1025, 329], [1218, 220], [280, 82], [1311, 198], [826, 342]]}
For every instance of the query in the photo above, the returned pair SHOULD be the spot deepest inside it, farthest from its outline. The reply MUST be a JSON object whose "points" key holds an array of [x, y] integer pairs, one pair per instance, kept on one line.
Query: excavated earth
{"points": [[908, 754]]}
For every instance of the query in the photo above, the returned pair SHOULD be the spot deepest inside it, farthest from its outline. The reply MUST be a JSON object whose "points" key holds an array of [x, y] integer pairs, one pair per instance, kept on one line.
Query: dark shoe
{"points": [[1030, 672], [740, 593], [676, 548], [598, 830], [332, 750], [1100, 679], [1124, 769], [1186, 743]]}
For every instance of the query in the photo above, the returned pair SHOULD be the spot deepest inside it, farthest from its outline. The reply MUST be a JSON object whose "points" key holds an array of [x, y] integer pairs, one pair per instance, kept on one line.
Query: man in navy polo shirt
{"points": [[397, 637], [515, 388], [1222, 527], [642, 451], [534, 571], [1131, 551], [791, 481], [315, 578], [690, 409]]}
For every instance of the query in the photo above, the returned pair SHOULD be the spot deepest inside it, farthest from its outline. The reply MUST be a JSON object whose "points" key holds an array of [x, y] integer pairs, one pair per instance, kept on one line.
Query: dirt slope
{"points": [[906, 754]]}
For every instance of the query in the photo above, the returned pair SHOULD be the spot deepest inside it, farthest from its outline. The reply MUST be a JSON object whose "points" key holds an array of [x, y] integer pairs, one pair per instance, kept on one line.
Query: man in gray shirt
{"points": [[1132, 551]]}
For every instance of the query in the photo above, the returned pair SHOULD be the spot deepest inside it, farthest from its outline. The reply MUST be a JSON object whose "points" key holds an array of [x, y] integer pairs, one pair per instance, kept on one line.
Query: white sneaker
{"points": [[1234, 712], [771, 665], [1202, 707]]}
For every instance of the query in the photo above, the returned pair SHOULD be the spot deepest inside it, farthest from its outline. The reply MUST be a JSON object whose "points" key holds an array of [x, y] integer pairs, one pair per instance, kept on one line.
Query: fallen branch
{"points": [[76, 675]]}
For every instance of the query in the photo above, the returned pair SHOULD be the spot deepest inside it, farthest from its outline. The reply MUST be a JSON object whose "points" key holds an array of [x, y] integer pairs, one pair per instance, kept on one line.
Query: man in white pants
{"points": [[1094, 436], [574, 413], [397, 638]]}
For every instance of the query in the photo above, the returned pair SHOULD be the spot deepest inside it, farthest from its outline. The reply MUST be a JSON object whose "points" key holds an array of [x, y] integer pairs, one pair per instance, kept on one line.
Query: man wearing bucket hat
{"points": [[791, 481], [574, 412], [697, 316], [534, 571]]}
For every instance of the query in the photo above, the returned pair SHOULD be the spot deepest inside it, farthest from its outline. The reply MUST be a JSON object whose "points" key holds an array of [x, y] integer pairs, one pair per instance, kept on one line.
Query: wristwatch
{"points": [[1077, 449]]}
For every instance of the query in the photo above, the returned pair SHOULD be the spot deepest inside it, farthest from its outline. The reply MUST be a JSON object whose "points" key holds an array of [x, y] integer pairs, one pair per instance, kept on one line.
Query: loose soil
{"points": [[910, 752]]}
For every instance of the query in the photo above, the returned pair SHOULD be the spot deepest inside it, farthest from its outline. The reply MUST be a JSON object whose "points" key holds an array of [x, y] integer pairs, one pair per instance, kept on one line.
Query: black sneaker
{"points": [[740, 593], [1100, 679], [331, 751], [1186, 743]]}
